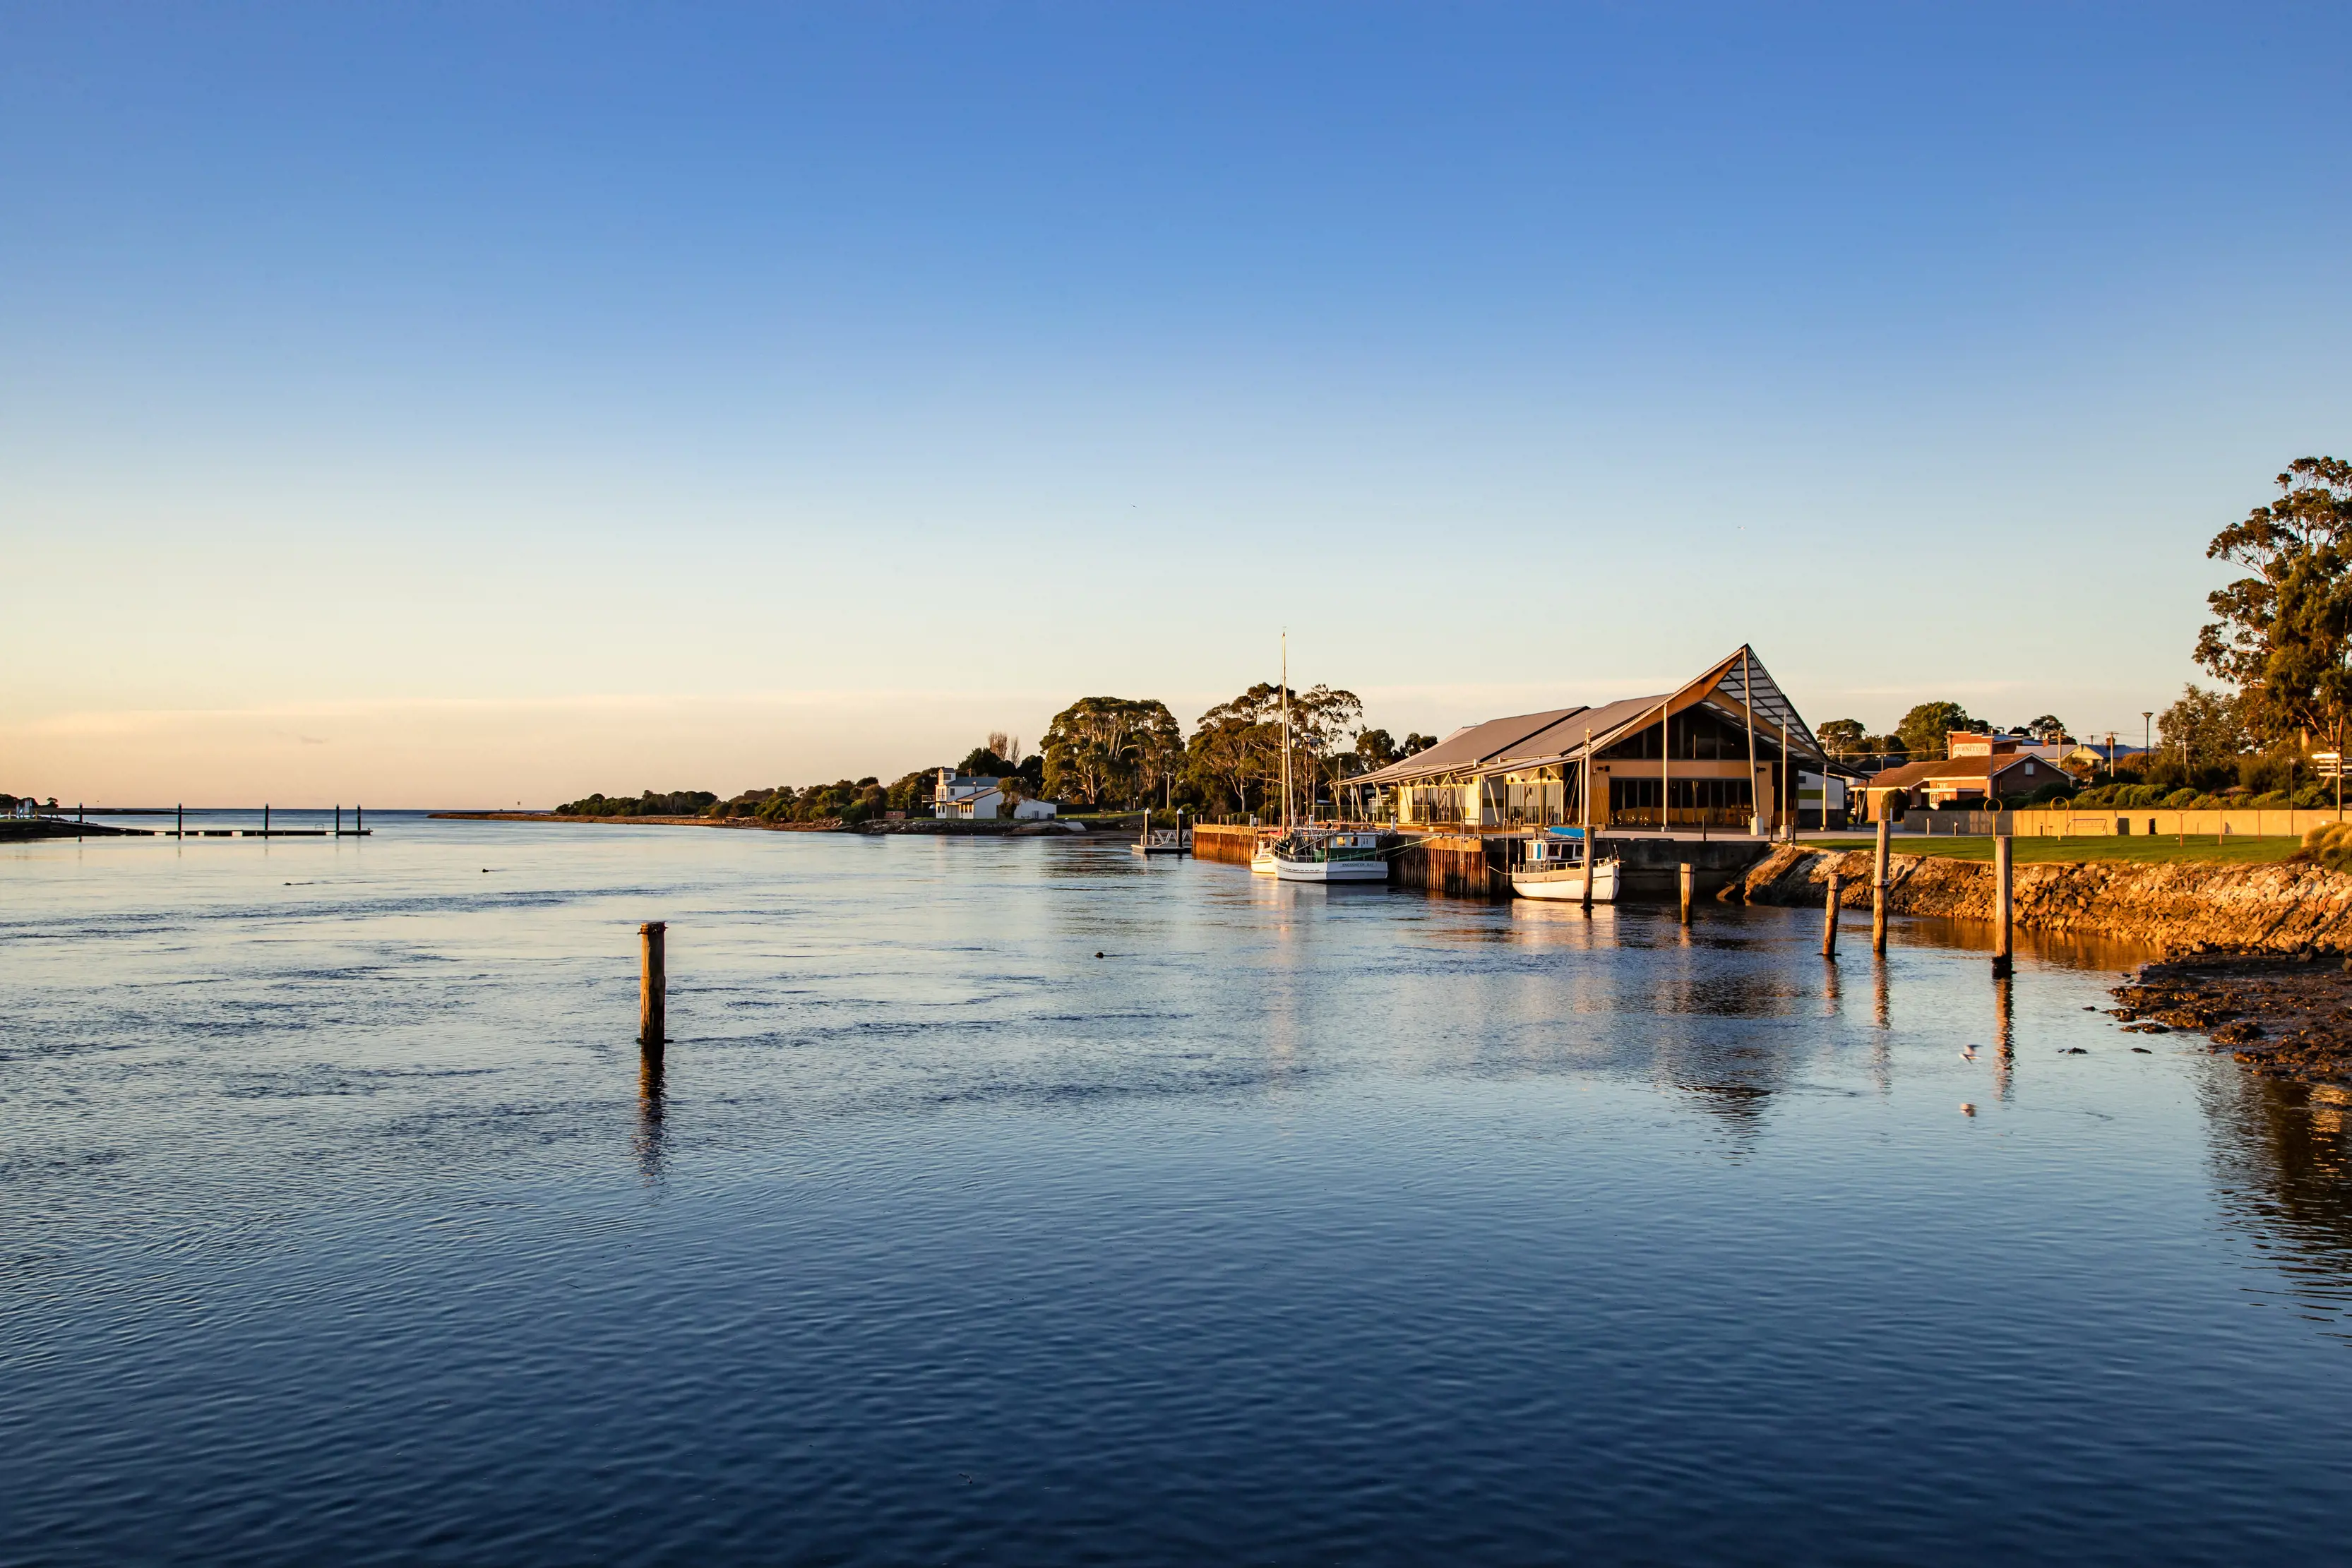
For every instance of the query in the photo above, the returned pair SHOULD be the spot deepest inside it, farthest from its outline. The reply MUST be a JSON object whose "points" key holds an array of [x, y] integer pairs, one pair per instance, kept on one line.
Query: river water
{"points": [[1299, 1226]]}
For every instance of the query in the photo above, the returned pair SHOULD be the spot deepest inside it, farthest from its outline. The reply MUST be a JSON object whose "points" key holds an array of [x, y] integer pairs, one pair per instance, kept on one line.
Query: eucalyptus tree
{"points": [[1107, 750], [2282, 634]]}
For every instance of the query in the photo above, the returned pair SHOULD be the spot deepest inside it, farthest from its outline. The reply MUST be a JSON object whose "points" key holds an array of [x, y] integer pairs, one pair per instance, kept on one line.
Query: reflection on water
{"points": [[650, 1089], [2278, 1148], [347, 1223]]}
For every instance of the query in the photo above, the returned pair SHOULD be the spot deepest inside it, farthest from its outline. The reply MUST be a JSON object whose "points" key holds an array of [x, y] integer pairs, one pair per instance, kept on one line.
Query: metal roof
{"points": [[1558, 735]]}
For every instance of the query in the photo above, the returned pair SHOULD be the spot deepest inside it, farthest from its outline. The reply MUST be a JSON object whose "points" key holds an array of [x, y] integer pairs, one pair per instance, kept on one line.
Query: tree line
{"points": [[1099, 754]]}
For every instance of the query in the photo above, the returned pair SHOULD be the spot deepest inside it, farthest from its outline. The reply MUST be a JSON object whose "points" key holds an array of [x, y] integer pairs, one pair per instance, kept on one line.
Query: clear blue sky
{"points": [[479, 401]]}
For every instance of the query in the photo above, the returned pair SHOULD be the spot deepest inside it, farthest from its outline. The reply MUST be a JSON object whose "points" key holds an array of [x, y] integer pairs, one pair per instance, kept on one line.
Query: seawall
{"points": [[2280, 908]]}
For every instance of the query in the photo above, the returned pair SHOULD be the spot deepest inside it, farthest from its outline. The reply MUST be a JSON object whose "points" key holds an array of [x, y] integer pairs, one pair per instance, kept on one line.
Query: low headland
{"points": [[932, 826]]}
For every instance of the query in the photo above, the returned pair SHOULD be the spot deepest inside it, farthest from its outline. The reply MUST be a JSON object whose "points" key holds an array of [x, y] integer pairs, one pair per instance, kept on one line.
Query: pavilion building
{"points": [[1725, 750]]}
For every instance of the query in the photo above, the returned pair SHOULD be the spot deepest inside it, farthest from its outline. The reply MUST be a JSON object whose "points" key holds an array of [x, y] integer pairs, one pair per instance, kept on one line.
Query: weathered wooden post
{"points": [[180, 820], [2001, 905], [1830, 914], [651, 986], [265, 820], [1878, 889], [1592, 861], [1687, 879]]}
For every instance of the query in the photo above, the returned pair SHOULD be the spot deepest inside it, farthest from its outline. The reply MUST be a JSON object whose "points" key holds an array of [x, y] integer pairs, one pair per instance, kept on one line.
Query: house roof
{"points": [[1912, 774]]}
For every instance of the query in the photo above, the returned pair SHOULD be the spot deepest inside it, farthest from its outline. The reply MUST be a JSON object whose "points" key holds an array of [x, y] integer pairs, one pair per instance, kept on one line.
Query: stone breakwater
{"points": [[2282, 908]]}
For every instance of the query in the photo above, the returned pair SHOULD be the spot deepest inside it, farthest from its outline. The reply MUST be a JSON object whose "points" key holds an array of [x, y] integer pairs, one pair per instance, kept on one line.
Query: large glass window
{"points": [[1700, 734]]}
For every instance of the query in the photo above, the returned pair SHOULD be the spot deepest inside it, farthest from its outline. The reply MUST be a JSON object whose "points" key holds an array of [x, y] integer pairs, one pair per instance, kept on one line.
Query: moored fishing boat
{"points": [[1558, 859], [1333, 856]]}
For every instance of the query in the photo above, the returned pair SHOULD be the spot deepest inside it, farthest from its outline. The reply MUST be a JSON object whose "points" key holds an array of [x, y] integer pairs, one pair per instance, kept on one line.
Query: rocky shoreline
{"points": [[19, 829], [2282, 907]]}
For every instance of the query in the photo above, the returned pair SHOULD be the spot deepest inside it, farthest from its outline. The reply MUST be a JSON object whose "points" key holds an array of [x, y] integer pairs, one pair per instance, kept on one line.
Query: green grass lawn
{"points": [[2236, 849]]}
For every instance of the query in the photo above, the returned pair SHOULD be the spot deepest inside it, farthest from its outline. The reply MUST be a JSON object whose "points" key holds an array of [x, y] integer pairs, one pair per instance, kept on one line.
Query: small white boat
{"points": [[1329, 857], [1262, 861], [1557, 865]]}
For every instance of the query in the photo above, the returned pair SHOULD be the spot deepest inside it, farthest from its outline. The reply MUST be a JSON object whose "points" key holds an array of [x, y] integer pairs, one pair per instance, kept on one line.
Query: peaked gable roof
{"points": [[1558, 734]]}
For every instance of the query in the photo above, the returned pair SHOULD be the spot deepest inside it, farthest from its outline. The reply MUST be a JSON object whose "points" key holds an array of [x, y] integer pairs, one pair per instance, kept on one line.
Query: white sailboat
{"points": [[1262, 862], [1305, 854]]}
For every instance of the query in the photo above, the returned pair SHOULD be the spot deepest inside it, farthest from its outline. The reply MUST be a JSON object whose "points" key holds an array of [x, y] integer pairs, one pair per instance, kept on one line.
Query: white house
{"points": [[972, 799]]}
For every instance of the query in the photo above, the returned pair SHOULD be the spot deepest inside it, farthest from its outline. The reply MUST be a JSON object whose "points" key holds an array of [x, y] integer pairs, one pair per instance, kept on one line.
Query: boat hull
{"points": [[1263, 863], [1331, 870], [1567, 883]]}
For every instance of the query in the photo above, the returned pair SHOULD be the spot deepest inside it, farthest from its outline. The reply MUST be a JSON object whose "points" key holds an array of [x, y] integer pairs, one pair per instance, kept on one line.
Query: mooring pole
{"points": [[180, 820], [1687, 879], [1878, 889], [2001, 904], [359, 819], [1591, 864], [652, 984], [265, 820], [1829, 915], [338, 821]]}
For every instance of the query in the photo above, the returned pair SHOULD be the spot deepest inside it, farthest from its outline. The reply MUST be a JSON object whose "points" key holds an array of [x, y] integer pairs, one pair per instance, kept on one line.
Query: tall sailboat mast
{"points": [[1285, 731]]}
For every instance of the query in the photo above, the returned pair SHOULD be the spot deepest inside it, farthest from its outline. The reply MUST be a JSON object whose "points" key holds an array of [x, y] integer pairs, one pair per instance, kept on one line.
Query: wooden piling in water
{"points": [[2002, 905], [1830, 916], [1878, 891], [1688, 879], [652, 984]]}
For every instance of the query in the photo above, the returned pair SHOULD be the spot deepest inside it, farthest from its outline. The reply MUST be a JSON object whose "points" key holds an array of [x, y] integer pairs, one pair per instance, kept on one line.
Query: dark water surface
{"points": [[1303, 1227]]}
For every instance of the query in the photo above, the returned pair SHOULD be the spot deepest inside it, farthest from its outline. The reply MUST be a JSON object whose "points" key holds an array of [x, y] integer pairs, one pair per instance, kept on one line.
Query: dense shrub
{"points": [[2329, 844], [676, 803]]}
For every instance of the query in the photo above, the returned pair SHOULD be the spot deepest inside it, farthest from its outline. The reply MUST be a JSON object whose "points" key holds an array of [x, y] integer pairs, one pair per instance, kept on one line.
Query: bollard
{"points": [[651, 986], [1830, 916], [2001, 905], [1686, 891]]}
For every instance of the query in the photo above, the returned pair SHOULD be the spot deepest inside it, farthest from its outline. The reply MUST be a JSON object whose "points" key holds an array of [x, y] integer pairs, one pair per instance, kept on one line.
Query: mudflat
{"points": [[2285, 1016]]}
